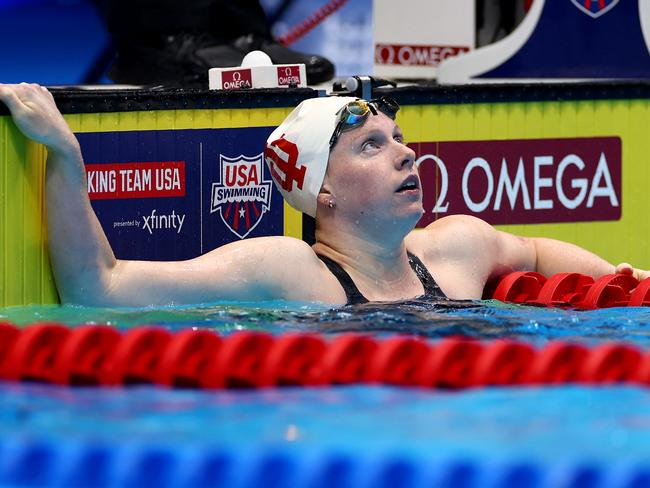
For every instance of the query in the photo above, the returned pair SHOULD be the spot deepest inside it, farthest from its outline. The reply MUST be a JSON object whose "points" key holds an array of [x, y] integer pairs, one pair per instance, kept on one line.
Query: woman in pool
{"points": [[340, 160]]}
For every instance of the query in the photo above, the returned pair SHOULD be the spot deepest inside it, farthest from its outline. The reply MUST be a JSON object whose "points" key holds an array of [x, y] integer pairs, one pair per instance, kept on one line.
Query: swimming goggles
{"points": [[355, 113]]}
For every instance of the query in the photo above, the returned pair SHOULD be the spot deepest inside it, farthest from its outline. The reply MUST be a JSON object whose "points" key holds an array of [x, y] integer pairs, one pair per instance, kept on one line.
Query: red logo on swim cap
{"points": [[284, 162]]}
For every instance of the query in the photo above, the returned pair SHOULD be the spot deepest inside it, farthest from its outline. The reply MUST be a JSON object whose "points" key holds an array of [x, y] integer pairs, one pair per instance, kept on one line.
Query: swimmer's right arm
{"points": [[81, 256], [85, 267]]}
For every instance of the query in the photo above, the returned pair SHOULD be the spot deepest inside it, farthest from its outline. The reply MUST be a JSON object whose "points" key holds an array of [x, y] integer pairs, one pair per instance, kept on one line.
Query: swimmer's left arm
{"points": [[551, 256], [497, 253], [465, 253], [487, 253]]}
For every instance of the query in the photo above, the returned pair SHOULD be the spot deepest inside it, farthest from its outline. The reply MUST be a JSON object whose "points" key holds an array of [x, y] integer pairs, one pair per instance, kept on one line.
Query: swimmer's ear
{"points": [[325, 195], [325, 188]]}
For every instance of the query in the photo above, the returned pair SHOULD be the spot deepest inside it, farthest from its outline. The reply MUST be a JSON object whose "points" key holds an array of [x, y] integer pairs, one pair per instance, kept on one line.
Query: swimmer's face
{"points": [[372, 174]]}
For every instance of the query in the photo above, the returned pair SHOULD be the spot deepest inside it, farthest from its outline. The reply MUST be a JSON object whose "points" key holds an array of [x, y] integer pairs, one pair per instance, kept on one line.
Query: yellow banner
{"points": [[26, 276]]}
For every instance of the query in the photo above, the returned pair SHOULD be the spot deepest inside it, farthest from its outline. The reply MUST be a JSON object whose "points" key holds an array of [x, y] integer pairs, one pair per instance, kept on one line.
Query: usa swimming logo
{"points": [[595, 8], [242, 195]]}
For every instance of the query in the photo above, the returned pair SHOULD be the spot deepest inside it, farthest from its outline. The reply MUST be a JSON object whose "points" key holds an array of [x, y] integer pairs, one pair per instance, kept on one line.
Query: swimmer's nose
{"points": [[408, 158]]}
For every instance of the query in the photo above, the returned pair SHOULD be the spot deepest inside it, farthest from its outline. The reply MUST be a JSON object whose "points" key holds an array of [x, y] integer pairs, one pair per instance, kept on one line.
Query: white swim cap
{"points": [[297, 151]]}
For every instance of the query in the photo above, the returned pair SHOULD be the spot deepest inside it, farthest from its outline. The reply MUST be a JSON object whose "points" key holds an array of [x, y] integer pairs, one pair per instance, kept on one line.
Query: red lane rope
{"points": [[101, 355], [573, 290], [312, 21]]}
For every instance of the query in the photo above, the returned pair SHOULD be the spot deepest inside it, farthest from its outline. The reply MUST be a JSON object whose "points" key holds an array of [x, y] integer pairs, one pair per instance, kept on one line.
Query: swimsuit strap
{"points": [[354, 296], [352, 293], [431, 288]]}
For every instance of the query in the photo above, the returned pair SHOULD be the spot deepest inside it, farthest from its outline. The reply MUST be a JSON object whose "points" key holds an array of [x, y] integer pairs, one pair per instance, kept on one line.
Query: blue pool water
{"points": [[605, 427], [548, 424]]}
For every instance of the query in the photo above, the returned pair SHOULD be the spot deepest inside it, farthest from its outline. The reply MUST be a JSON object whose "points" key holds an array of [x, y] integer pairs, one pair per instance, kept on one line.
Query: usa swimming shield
{"points": [[242, 195]]}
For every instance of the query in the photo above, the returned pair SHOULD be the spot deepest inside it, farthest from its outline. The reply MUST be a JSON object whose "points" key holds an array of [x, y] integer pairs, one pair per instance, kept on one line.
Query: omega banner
{"points": [[522, 181]]}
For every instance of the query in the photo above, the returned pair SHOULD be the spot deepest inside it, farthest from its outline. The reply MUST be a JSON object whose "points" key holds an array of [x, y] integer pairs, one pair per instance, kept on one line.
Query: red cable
{"points": [[573, 290], [310, 22], [98, 355]]}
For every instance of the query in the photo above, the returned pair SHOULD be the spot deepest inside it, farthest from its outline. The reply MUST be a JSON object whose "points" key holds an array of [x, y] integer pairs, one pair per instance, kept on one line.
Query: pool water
{"points": [[607, 427], [489, 319]]}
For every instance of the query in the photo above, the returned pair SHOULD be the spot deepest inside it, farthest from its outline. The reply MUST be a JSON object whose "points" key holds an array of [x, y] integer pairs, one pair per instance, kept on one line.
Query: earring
{"points": [[331, 204]]}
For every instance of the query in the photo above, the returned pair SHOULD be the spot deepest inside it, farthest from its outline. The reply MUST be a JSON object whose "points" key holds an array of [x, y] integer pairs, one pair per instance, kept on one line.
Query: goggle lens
{"points": [[355, 113]]}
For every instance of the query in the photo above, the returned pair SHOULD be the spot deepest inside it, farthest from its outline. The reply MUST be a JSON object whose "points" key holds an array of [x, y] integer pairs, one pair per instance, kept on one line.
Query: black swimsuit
{"points": [[354, 296]]}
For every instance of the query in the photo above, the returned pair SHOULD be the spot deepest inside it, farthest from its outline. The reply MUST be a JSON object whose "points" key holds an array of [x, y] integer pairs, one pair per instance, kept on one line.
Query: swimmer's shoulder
{"points": [[455, 250], [288, 265], [281, 250], [454, 235], [310, 278]]}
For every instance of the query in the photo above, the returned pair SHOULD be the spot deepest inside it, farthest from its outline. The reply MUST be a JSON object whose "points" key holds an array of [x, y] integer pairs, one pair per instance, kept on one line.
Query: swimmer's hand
{"points": [[627, 269], [35, 113]]}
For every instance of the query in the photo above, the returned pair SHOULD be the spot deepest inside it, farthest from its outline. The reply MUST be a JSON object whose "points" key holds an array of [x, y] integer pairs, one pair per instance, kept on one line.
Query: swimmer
{"points": [[338, 159]]}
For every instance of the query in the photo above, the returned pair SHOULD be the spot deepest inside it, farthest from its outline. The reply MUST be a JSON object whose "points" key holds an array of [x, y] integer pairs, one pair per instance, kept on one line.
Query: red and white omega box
{"points": [[412, 38], [273, 76]]}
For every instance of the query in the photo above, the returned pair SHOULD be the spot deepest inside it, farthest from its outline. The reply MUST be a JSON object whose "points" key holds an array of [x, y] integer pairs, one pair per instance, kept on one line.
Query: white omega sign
{"points": [[522, 180], [530, 183]]}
